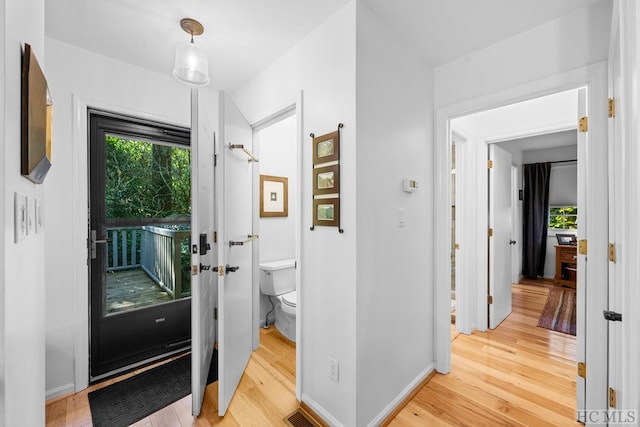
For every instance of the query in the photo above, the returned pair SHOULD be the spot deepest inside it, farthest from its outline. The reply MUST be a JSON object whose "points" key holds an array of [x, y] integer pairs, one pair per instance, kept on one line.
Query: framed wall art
{"points": [[36, 116], [326, 212], [326, 148], [326, 180], [274, 196]]}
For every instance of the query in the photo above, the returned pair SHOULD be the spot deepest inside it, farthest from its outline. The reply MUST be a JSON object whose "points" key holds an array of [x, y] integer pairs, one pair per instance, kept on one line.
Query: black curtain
{"points": [[536, 218]]}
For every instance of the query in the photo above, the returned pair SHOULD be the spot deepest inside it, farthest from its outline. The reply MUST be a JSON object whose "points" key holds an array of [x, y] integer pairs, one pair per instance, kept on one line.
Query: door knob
{"points": [[512, 242]]}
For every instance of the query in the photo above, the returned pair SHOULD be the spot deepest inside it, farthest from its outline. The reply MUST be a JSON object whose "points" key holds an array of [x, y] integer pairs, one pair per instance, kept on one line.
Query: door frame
{"points": [[268, 120], [594, 77], [80, 217]]}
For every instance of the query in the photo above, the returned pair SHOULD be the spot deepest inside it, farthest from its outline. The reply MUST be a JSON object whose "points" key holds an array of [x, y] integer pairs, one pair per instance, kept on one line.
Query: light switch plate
{"points": [[20, 216]]}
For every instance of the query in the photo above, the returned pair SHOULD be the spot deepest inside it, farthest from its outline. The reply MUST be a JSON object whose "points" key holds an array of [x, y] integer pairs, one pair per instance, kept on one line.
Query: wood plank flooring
{"points": [[518, 375], [266, 394]]}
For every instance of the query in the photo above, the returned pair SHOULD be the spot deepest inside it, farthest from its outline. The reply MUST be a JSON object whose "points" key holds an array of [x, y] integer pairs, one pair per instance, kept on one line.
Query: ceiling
{"points": [[243, 36]]}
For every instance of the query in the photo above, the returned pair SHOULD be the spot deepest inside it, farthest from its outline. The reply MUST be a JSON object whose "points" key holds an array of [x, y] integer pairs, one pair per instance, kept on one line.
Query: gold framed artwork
{"points": [[326, 212], [326, 180], [274, 196], [36, 116], [326, 148]]}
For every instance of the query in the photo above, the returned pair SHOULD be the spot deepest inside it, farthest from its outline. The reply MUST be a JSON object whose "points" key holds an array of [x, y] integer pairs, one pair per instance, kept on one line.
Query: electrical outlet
{"points": [[334, 369]]}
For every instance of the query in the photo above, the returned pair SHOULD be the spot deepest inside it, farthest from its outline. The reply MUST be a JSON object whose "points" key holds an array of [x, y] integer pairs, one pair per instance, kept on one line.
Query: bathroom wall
{"points": [[278, 150]]}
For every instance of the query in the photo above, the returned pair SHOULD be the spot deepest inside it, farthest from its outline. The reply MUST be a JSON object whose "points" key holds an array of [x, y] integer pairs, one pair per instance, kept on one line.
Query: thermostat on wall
{"points": [[409, 185]]}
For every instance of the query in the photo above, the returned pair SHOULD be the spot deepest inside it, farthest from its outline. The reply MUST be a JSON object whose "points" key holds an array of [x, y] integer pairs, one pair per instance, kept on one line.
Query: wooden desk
{"points": [[566, 264]]}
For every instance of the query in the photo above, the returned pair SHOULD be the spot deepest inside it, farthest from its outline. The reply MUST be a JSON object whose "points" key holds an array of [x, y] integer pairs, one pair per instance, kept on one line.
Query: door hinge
{"points": [[612, 252], [457, 246], [612, 397], [215, 160], [583, 124], [490, 232], [489, 299], [215, 313], [215, 237], [611, 107], [582, 370], [582, 247], [490, 164]]}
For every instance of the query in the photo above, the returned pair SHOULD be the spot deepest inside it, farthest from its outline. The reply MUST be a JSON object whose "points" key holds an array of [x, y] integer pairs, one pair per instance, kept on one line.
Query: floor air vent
{"points": [[300, 419]]}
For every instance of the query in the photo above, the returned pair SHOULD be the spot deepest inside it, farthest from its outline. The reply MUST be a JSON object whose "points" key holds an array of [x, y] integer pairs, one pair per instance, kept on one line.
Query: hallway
{"points": [[517, 374]]}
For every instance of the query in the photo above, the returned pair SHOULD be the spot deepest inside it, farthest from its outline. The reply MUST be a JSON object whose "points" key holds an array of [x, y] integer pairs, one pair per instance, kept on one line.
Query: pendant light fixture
{"points": [[191, 65]]}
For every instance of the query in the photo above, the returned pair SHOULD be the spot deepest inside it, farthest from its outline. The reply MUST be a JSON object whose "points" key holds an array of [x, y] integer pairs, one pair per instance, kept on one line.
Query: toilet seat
{"points": [[290, 299]]}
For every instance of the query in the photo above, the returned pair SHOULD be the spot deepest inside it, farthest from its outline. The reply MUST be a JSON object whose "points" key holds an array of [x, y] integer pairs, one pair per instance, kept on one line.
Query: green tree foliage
{"points": [[146, 180], [563, 218]]}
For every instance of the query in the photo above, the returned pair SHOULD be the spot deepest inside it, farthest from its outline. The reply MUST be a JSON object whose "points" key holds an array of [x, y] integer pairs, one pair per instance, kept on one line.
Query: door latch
{"points": [[226, 269], [93, 242], [204, 245], [204, 267], [612, 316]]}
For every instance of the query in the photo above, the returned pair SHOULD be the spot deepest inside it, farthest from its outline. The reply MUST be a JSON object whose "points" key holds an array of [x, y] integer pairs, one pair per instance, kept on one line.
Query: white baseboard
{"points": [[60, 391], [320, 411], [402, 396]]}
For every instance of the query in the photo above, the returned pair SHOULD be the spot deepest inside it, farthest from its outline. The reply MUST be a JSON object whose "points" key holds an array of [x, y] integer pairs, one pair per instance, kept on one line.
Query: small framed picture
{"points": [[326, 212], [274, 196], [326, 148], [326, 180]]}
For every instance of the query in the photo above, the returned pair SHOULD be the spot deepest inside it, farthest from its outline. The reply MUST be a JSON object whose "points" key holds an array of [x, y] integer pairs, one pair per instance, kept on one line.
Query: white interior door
{"points": [[203, 283], [516, 263], [499, 243], [235, 289], [581, 276]]}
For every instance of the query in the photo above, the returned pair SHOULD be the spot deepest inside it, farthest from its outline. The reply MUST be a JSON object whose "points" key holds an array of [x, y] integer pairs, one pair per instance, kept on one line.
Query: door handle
{"points": [[93, 242], [226, 269], [512, 242]]}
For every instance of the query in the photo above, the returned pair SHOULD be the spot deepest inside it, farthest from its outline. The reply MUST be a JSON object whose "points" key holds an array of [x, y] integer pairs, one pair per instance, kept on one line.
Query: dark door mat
{"points": [[135, 398]]}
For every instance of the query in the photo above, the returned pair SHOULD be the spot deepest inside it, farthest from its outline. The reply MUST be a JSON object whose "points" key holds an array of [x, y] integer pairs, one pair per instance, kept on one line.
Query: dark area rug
{"points": [[559, 312], [128, 401]]}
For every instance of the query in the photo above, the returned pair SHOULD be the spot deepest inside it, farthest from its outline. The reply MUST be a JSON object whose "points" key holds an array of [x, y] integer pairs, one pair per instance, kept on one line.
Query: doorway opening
{"points": [[278, 249], [139, 236], [496, 146]]}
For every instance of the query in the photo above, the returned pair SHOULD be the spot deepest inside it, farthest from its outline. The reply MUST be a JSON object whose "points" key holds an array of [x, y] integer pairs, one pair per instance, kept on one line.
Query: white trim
{"points": [[80, 217], [594, 77], [397, 401], [59, 391], [284, 113], [320, 411]]}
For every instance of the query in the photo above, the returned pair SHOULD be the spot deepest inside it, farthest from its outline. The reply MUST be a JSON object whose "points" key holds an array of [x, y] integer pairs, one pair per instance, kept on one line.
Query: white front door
{"points": [[499, 242], [235, 290], [203, 282]]}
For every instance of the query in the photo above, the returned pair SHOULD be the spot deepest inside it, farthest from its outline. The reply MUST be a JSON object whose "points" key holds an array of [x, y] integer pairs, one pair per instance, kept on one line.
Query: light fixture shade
{"points": [[191, 65]]}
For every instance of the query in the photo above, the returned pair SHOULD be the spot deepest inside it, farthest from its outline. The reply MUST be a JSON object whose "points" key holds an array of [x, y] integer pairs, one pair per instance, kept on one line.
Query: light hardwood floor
{"points": [[518, 374]]}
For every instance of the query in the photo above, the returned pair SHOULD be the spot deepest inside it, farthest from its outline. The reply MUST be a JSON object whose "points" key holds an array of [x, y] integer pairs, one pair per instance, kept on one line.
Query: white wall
{"points": [[561, 45], [323, 66], [278, 152], [394, 287], [102, 82], [23, 270]]}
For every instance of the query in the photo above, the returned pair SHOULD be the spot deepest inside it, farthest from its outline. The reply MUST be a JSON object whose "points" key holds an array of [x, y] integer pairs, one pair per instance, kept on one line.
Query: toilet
{"points": [[278, 280]]}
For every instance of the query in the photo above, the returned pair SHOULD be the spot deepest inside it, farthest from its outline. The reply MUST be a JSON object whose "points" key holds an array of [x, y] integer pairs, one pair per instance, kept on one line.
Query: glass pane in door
{"points": [[147, 212]]}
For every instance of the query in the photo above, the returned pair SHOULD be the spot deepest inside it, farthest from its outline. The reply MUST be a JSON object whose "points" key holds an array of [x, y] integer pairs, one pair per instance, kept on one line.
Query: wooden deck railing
{"points": [[155, 249], [161, 258], [123, 250]]}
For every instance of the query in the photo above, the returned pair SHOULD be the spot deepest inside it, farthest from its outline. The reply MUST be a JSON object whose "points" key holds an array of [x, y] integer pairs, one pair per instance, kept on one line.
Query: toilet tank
{"points": [[278, 277]]}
